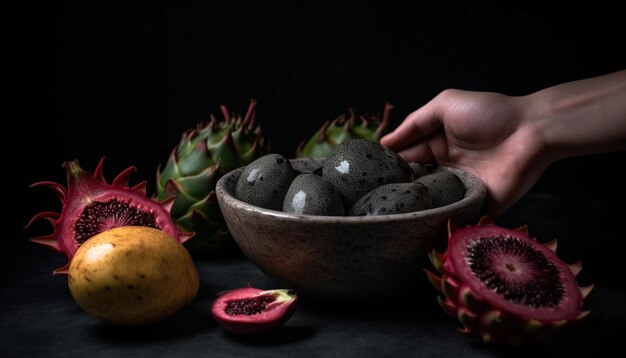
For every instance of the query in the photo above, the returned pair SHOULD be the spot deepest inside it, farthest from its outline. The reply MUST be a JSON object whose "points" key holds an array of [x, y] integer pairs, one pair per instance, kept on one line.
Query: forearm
{"points": [[581, 117]]}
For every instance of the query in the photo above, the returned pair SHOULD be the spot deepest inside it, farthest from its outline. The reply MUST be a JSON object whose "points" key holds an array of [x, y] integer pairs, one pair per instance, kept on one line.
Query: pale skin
{"points": [[508, 141]]}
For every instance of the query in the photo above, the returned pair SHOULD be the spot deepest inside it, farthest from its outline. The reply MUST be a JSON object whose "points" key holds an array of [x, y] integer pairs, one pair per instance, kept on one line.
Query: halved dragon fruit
{"points": [[92, 205], [503, 285]]}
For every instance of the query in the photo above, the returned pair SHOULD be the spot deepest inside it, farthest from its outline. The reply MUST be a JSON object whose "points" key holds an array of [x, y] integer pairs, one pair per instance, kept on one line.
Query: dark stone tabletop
{"points": [[38, 317]]}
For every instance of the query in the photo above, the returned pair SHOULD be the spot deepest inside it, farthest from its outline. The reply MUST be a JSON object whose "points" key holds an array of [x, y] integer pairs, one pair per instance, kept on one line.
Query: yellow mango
{"points": [[132, 275]]}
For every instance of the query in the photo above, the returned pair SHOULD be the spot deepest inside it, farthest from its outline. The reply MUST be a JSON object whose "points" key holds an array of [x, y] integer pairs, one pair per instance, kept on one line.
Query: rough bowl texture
{"points": [[342, 258]]}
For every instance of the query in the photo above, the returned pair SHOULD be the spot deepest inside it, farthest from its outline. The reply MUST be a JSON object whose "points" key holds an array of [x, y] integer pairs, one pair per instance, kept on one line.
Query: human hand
{"points": [[482, 132]]}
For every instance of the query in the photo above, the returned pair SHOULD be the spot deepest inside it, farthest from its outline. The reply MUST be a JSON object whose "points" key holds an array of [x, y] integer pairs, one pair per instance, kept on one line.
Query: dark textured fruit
{"points": [[395, 198], [503, 285], [310, 194], [251, 310], [356, 167], [265, 181], [91, 205], [444, 186]]}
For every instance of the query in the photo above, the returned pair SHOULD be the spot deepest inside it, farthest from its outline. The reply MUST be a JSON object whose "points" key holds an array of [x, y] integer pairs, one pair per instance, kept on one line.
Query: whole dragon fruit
{"points": [[91, 205], [503, 285], [347, 126], [203, 155]]}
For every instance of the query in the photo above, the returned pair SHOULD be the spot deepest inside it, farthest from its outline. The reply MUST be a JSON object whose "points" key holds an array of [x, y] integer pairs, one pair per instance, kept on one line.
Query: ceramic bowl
{"points": [[343, 258]]}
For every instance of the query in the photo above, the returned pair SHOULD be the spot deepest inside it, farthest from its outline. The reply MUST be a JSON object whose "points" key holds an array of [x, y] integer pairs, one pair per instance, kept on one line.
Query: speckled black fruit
{"points": [[265, 181], [395, 198], [358, 166], [310, 194], [250, 310], [444, 186]]}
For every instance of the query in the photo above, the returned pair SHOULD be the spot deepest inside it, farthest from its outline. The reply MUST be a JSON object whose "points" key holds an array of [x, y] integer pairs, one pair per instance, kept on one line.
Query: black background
{"points": [[124, 80]]}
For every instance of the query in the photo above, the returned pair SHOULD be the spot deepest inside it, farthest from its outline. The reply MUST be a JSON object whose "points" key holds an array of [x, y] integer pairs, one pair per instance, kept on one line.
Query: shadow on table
{"points": [[287, 334], [588, 339], [189, 321]]}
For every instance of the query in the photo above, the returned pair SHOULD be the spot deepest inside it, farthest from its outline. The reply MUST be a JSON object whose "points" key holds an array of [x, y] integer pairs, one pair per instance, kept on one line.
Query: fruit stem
{"points": [[73, 167]]}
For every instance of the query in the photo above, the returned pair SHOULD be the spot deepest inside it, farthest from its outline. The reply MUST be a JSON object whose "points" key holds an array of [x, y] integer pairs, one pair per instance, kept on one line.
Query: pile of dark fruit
{"points": [[357, 178]]}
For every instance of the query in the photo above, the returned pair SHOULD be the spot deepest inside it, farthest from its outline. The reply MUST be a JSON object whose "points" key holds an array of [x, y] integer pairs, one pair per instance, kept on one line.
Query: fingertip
{"points": [[385, 139], [415, 126], [390, 140]]}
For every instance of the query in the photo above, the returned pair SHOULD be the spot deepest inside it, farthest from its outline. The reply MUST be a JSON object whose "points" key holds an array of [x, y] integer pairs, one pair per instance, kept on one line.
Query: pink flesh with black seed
{"points": [[533, 288]]}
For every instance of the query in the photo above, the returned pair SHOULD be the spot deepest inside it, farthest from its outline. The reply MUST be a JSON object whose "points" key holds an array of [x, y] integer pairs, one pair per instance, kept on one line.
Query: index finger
{"points": [[415, 126]]}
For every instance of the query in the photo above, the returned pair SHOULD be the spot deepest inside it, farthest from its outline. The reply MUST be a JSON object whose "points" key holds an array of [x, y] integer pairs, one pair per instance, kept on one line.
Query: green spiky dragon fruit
{"points": [[205, 153], [347, 126]]}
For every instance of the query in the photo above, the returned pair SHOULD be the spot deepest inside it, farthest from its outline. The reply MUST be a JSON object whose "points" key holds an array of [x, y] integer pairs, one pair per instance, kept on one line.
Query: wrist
{"points": [[580, 117], [536, 117]]}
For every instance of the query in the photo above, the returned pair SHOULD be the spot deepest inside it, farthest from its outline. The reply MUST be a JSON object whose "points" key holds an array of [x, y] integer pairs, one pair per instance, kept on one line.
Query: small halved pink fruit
{"points": [[251, 310]]}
